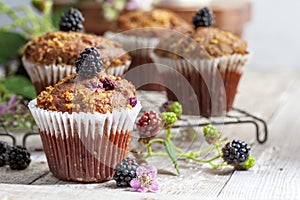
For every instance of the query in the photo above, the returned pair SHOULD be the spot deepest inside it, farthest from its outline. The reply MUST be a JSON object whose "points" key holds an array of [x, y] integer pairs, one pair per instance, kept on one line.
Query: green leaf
{"points": [[10, 44], [170, 151], [21, 86], [58, 13]]}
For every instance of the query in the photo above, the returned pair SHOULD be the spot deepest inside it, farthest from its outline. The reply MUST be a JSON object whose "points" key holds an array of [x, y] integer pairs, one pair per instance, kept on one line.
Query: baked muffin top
{"points": [[62, 48], [150, 20], [101, 93], [203, 43]]}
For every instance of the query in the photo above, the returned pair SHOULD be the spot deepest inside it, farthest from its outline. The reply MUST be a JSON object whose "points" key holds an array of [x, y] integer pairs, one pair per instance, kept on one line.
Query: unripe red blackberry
{"points": [[148, 125]]}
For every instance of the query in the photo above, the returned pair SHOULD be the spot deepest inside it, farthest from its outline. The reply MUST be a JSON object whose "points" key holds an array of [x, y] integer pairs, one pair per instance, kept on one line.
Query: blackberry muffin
{"points": [[211, 60], [50, 57], [140, 31], [86, 121]]}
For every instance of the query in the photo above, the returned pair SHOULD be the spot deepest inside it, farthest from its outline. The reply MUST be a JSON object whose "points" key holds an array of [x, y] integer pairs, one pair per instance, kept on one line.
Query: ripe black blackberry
{"points": [[235, 153], [3, 150], [125, 171], [148, 126], [88, 63], [71, 21], [3, 147], [18, 158], [2, 160], [203, 18]]}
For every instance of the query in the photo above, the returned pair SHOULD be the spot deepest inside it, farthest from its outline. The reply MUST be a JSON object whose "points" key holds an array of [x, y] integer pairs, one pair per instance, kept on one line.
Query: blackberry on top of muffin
{"points": [[210, 59], [86, 121], [204, 42], [88, 90], [50, 57]]}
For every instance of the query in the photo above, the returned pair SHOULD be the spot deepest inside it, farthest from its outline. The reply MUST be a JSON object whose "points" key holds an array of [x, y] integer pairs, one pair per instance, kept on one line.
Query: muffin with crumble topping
{"points": [[50, 57], [139, 31], [211, 60], [86, 121]]}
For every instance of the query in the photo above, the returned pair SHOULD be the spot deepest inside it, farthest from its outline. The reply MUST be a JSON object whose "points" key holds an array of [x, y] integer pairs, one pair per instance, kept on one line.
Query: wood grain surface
{"points": [[272, 95]]}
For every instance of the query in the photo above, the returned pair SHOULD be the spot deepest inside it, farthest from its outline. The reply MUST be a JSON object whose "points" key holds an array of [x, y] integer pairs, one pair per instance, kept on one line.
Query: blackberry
{"points": [[211, 134], [165, 107], [203, 18], [3, 147], [148, 126], [2, 160], [169, 118], [125, 171], [18, 158], [132, 101], [235, 153], [172, 106], [88, 63], [107, 84], [3, 150], [176, 108], [71, 21]]}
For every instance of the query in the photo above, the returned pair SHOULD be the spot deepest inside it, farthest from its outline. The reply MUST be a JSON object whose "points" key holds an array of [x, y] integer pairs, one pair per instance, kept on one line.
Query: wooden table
{"points": [[271, 94]]}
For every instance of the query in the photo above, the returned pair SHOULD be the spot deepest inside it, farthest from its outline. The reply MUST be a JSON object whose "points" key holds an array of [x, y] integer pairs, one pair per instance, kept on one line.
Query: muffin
{"points": [[211, 60], [139, 32], [86, 121], [50, 57]]}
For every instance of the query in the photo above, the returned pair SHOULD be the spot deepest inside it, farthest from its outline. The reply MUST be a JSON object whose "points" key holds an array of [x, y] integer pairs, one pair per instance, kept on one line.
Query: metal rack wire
{"points": [[235, 117]]}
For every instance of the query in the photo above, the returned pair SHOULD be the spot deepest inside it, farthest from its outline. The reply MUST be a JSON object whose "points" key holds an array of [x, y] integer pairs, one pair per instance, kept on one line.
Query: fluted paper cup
{"points": [[214, 82], [84, 147], [44, 76], [139, 49]]}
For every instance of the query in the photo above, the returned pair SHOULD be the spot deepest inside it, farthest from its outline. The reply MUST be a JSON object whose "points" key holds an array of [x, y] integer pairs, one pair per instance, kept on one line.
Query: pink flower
{"points": [[2, 109], [145, 180]]}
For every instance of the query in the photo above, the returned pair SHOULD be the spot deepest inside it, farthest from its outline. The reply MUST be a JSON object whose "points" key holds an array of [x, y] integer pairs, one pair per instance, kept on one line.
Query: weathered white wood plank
{"points": [[277, 173]]}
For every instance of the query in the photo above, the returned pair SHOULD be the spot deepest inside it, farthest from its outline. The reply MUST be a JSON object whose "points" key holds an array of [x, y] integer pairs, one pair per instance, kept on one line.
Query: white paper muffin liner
{"points": [[139, 49], [43, 76], [84, 147], [131, 42], [219, 88], [54, 123]]}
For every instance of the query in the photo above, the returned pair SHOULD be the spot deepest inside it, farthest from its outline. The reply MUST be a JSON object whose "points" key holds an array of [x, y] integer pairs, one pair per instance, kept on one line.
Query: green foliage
{"points": [[17, 85], [171, 152], [10, 45], [249, 163]]}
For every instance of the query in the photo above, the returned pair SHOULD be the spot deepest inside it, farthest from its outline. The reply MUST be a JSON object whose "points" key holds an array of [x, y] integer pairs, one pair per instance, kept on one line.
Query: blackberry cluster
{"points": [[3, 150], [18, 158], [71, 21], [211, 134], [169, 118], [88, 63], [125, 171], [203, 18], [172, 106], [166, 106], [236, 153], [148, 126]]}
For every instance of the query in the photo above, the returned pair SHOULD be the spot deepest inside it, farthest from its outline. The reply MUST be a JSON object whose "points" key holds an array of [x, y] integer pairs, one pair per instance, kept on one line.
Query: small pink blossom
{"points": [[145, 180]]}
